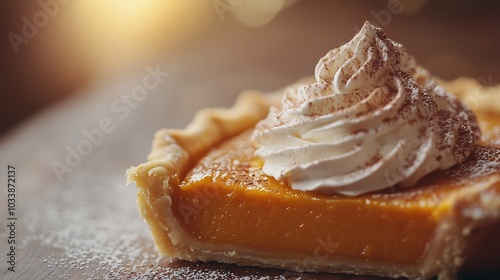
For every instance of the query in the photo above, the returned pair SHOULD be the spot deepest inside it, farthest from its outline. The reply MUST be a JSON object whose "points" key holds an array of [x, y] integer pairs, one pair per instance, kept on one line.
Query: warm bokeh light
{"points": [[256, 13], [412, 6], [115, 33]]}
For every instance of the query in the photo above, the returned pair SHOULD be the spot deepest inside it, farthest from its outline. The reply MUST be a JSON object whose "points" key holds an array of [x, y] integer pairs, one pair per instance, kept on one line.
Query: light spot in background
{"points": [[111, 34], [257, 13], [412, 6], [117, 34]]}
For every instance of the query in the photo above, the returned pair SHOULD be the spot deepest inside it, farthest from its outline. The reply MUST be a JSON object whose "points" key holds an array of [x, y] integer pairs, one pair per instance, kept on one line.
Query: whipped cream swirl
{"points": [[374, 119]]}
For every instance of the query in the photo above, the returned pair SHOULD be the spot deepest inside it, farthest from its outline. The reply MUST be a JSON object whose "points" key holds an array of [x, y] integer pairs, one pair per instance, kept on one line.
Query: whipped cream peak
{"points": [[372, 120], [369, 56]]}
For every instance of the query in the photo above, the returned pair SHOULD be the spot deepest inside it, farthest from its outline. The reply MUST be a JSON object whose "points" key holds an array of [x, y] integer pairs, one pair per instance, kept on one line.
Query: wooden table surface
{"points": [[85, 224]]}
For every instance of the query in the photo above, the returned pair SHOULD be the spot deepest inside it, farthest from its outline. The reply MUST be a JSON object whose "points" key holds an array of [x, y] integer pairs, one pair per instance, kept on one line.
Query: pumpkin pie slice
{"points": [[206, 196]]}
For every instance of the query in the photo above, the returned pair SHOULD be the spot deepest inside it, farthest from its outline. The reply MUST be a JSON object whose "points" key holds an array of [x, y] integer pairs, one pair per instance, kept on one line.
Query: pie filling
{"points": [[226, 199]]}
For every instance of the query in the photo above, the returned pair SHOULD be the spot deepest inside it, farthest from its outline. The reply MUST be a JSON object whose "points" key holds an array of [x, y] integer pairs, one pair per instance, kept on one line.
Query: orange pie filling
{"points": [[226, 199], [206, 198]]}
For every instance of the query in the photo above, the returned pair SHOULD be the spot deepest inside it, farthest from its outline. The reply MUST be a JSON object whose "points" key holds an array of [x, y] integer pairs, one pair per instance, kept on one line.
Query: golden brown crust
{"points": [[175, 150], [480, 98], [211, 126]]}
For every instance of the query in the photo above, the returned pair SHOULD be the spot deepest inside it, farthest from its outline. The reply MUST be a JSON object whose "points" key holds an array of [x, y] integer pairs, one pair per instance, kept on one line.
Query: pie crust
{"points": [[466, 216]]}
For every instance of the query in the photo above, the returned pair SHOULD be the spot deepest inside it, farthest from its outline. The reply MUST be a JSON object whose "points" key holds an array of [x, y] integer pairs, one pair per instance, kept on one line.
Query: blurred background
{"points": [[53, 48]]}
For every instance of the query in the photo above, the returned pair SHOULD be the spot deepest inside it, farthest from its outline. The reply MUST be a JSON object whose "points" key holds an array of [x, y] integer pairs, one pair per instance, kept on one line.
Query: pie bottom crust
{"points": [[474, 214]]}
